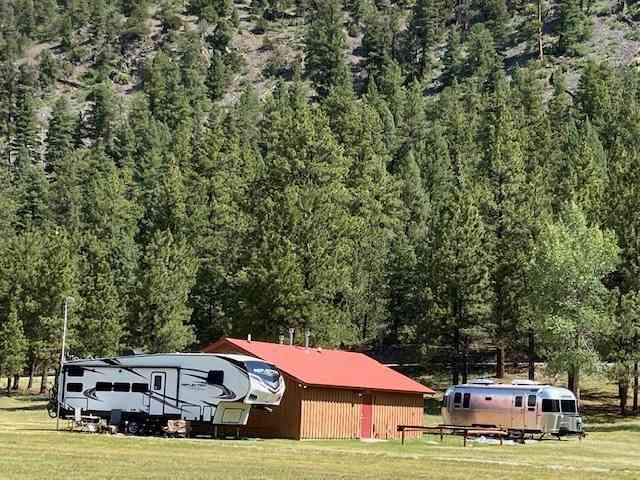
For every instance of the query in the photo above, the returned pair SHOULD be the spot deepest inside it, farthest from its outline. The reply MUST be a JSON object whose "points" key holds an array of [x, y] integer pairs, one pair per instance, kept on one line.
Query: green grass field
{"points": [[31, 448]]}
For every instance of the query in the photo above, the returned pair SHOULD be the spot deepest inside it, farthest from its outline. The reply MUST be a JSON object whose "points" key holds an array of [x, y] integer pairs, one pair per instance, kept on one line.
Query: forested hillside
{"points": [[453, 175]]}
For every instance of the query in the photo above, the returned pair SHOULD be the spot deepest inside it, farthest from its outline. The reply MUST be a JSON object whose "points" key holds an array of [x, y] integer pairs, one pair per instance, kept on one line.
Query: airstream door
{"points": [[518, 411], [531, 415]]}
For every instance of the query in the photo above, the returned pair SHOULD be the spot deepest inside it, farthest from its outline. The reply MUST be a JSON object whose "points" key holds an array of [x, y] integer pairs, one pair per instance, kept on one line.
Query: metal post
{"points": [[64, 338]]}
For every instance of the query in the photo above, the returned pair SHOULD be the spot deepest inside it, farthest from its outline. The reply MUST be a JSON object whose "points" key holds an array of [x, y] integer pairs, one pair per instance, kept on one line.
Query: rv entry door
{"points": [[157, 393], [518, 410]]}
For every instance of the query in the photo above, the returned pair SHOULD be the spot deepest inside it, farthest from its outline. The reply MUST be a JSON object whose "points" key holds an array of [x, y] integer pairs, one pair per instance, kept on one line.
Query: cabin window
{"points": [[457, 399], [139, 387], [103, 387], [74, 371], [568, 406], [157, 382], [74, 387], [531, 401], [121, 387], [215, 377], [466, 402], [549, 405], [518, 403]]}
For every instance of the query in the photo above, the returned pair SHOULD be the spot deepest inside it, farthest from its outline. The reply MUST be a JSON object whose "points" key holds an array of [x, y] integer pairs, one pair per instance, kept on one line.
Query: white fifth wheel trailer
{"points": [[523, 406], [143, 392]]}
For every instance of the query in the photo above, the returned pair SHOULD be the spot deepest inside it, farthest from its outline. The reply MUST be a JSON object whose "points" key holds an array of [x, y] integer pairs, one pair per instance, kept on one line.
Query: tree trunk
{"points": [[43, 383], [623, 393], [500, 362], [32, 370], [465, 366], [456, 357], [540, 32], [635, 387], [574, 383], [16, 381], [532, 355], [8, 384]]}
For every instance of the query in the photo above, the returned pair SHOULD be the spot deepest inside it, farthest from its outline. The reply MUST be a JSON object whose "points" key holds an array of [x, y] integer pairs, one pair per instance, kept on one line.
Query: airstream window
{"points": [[568, 406], [457, 399], [518, 402], [549, 405], [467, 400], [531, 401]]}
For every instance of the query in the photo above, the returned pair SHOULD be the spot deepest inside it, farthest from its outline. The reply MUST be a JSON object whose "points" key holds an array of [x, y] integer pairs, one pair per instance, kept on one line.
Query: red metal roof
{"points": [[333, 368]]}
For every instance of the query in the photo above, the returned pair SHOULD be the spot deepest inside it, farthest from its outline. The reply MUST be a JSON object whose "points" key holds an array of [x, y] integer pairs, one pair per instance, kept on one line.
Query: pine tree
{"points": [[424, 33], [508, 218], [13, 345], [325, 47], [574, 27], [26, 144], [167, 275], [59, 140], [458, 299]]}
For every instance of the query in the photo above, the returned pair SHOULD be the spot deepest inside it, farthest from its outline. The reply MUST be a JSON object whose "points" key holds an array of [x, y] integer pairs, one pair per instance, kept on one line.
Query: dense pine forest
{"points": [[457, 176]]}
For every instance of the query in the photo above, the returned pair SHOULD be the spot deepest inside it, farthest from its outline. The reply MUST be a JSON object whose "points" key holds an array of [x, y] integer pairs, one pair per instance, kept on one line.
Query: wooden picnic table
{"points": [[466, 432]]}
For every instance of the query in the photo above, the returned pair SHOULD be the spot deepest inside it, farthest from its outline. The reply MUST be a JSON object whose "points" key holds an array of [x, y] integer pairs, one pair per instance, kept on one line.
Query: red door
{"points": [[366, 416]]}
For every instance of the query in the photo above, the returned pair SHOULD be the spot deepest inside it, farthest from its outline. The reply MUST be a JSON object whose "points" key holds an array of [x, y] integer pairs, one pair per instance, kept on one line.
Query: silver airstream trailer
{"points": [[522, 406]]}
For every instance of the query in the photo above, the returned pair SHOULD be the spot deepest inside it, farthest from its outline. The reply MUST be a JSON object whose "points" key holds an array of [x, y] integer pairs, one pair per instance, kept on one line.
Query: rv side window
{"points": [[466, 402], [457, 399], [549, 405], [103, 387], [215, 377], [157, 382], [568, 406], [518, 402], [139, 387], [121, 387], [74, 387], [531, 401], [73, 371]]}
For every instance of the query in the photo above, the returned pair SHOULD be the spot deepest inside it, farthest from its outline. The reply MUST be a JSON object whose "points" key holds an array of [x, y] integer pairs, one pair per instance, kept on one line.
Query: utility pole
{"points": [[67, 300]]}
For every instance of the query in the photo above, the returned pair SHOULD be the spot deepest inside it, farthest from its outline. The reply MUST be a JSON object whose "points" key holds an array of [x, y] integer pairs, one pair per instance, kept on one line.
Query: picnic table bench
{"points": [[466, 432]]}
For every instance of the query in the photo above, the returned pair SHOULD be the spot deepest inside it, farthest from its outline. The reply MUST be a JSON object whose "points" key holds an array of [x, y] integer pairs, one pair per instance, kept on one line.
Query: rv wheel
{"points": [[134, 428]]}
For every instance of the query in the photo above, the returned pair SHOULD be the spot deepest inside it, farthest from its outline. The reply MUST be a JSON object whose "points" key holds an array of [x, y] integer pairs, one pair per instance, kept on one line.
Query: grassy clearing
{"points": [[31, 448]]}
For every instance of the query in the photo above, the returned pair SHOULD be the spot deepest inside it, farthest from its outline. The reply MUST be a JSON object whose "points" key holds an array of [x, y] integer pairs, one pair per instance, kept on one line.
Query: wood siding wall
{"points": [[282, 422], [393, 409], [332, 413]]}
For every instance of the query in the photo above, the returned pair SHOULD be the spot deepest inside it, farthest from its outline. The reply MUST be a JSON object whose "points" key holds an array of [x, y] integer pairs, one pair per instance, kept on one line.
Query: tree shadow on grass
{"points": [[28, 408]]}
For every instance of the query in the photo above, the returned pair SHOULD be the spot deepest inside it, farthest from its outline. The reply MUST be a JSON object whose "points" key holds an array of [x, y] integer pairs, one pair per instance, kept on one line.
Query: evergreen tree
{"points": [[167, 275], [325, 47], [574, 26], [458, 298], [424, 33], [59, 140], [13, 345], [508, 218], [26, 144]]}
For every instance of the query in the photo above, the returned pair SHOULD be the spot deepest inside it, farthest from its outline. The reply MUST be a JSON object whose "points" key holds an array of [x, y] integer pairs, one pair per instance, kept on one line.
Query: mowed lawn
{"points": [[30, 448]]}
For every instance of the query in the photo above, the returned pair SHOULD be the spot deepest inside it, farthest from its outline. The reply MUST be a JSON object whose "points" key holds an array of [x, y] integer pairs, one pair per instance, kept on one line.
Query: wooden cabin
{"points": [[331, 394]]}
